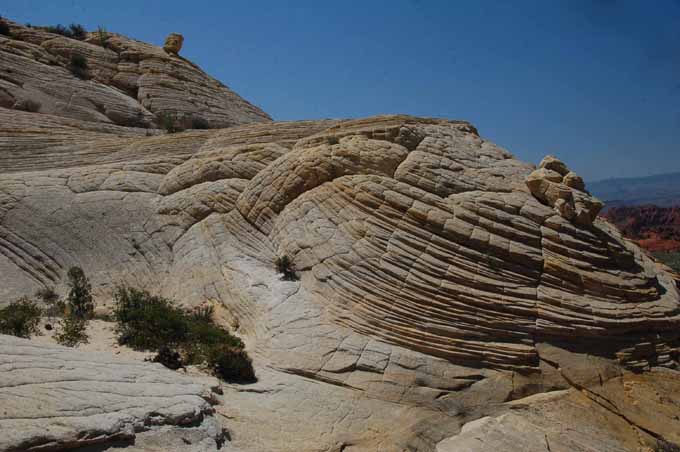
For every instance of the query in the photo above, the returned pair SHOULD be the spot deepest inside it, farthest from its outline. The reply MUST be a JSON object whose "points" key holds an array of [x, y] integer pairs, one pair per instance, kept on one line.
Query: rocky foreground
{"points": [[450, 297]]}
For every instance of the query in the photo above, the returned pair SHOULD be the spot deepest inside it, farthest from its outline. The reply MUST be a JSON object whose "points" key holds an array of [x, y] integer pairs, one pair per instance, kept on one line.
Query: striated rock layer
{"points": [[54, 398], [434, 288], [124, 81]]}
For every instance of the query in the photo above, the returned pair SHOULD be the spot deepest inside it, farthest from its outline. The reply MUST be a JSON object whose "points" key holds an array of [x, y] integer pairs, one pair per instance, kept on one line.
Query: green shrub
{"points": [[103, 37], [170, 358], [73, 31], [80, 302], [148, 322], [4, 28], [286, 268], [54, 306], [232, 364], [198, 122], [79, 66], [20, 318], [153, 323], [47, 295], [169, 122], [72, 331], [77, 31]]}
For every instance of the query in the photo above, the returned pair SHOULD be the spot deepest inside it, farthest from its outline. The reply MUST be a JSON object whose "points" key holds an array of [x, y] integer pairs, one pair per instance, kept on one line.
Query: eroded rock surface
{"points": [[126, 82], [55, 398], [446, 291], [434, 287]]}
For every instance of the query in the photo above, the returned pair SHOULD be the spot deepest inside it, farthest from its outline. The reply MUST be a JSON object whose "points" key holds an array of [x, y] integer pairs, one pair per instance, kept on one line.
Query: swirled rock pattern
{"points": [[434, 286], [444, 291]]}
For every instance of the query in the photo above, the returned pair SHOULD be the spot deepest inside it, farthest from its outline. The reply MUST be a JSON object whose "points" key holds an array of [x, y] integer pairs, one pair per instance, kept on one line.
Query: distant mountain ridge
{"points": [[661, 190]]}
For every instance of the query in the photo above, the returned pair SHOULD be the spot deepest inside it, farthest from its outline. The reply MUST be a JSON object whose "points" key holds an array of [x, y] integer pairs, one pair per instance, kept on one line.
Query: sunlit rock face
{"points": [[434, 285], [124, 81]]}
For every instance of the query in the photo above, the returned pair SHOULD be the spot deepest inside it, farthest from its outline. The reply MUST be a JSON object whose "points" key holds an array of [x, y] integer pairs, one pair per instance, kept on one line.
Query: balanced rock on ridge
{"points": [[556, 186], [173, 43]]}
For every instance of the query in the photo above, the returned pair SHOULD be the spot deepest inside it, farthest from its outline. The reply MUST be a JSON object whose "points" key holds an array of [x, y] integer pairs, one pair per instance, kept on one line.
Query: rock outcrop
{"points": [[445, 291], [126, 83], [556, 186], [55, 398], [173, 43]]}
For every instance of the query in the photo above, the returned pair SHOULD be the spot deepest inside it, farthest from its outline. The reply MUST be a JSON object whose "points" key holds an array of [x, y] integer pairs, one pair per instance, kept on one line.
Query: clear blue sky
{"points": [[596, 82]]}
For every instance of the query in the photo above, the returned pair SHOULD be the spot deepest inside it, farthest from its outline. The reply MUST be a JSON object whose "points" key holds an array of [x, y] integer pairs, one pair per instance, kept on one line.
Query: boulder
{"points": [[554, 185], [173, 43]]}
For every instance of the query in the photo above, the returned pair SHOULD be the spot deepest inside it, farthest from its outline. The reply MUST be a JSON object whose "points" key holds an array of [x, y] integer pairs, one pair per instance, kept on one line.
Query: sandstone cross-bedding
{"points": [[448, 297]]}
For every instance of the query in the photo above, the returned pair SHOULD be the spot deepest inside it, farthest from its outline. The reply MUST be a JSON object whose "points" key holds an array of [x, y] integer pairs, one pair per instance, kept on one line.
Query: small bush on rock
{"points": [[169, 358], [73, 31], [103, 37], [4, 28], [79, 66], [77, 31], [197, 122], [20, 318], [169, 122], [232, 364], [54, 306], [286, 268], [80, 302], [149, 322], [72, 332]]}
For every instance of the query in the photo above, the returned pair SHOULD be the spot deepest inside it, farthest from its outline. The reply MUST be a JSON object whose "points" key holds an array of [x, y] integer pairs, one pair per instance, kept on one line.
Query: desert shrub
{"points": [[47, 295], [80, 302], [232, 364], [198, 122], [79, 66], [103, 36], [148, 322], [170, 358], [153, 323], [286, 268], [77, 31], [20, 318], [53, 305], [168, 122], [72, 331], [29, 105], [73, 31], [4, 28]]}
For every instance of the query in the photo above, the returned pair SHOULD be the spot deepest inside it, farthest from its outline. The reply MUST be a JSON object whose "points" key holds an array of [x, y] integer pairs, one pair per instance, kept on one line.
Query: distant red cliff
{"points": [[654, 228]]}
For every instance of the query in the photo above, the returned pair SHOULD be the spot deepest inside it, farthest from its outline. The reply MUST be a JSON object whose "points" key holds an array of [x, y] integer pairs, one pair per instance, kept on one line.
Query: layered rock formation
{"points": [[124, 82], [443, 293]]}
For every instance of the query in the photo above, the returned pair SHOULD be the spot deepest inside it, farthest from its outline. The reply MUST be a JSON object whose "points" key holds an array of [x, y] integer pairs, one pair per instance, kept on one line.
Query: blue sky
{"points": [[596, 82]]}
